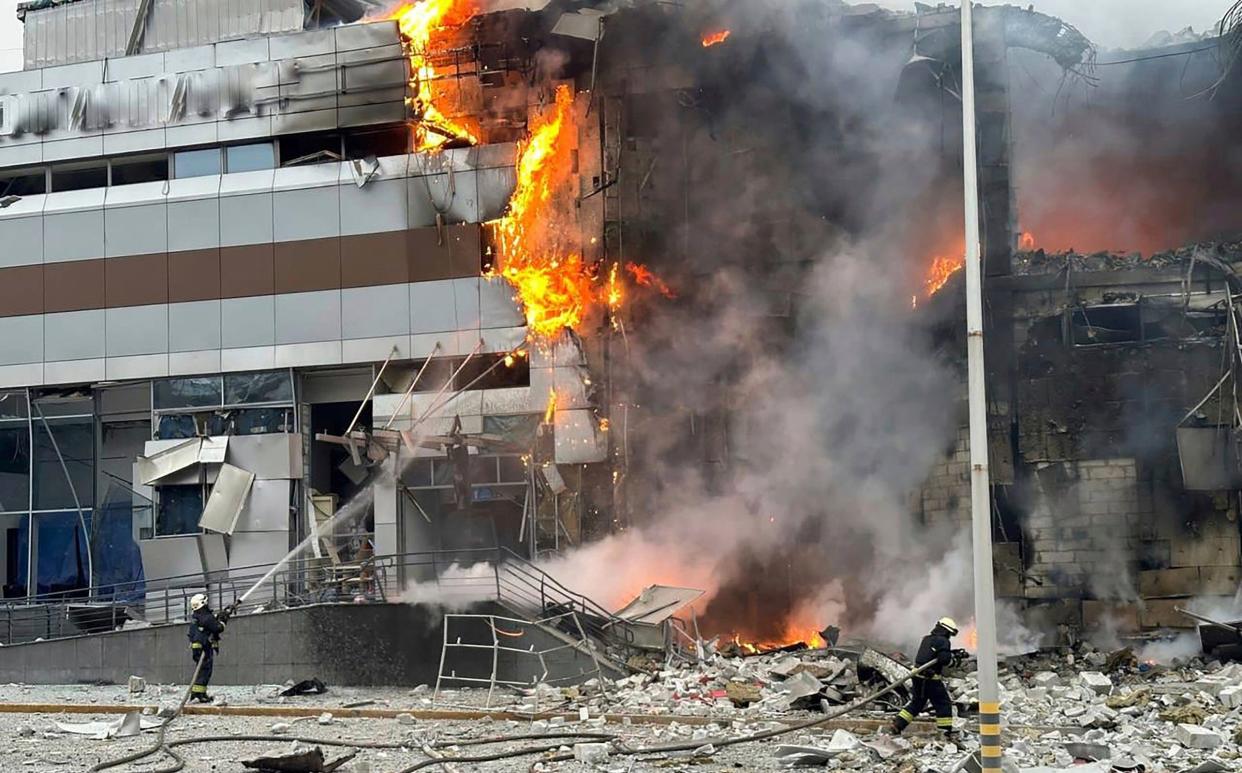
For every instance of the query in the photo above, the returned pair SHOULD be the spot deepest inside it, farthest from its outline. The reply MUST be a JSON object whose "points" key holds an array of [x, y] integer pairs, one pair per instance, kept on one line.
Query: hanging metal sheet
{"points": [[152, 468], [227, 498], [658, 603]]}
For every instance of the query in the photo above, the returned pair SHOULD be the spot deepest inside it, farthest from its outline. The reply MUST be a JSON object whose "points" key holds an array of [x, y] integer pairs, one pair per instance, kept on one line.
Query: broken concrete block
{"points": [[405, 719], [1046, 679], [1231, 697], [280, 728], [742, 695], [325, 718], [137, 684], [1096, 682], [1197, 737], [591, 753]]}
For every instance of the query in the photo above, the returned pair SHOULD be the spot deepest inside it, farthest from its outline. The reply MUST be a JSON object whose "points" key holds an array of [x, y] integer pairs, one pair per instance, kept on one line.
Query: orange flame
{"points": [[716, 38], [1026, 241], [941, 271], [970, 638], [420, 23], [643, 276]]}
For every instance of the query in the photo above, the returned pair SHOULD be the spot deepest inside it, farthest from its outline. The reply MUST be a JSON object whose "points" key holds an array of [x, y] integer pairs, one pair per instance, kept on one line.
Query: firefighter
{"points": [[204, 634], [928, 687]]}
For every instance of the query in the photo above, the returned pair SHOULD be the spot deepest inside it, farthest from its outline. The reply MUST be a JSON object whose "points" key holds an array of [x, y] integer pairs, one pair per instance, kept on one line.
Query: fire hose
{"points": [[166, 747]]}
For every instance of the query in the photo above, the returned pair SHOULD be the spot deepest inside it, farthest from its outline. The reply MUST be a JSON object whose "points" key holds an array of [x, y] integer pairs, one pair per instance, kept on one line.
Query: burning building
{"points": [[622, 288]]}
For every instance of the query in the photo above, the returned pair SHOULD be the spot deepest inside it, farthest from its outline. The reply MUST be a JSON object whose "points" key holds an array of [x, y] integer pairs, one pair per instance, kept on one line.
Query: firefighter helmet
{"points": [[198, 601], [948, 624]]}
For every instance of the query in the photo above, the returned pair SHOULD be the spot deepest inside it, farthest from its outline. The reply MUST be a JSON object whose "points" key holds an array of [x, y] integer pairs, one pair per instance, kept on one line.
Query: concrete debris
{"points": [[1096, 682], [137, 684], [280, 728], [405, 719], [591, 753], [325, 718], [311, 761], [1197, 737], [742, 695]]}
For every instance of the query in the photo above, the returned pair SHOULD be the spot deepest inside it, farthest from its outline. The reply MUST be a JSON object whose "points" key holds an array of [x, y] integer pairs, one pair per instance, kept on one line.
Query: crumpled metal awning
{"points": [[658, 603]]}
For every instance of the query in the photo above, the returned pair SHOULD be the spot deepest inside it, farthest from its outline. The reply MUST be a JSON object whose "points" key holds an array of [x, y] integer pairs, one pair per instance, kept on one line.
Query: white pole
{"points": [[980, 486]]}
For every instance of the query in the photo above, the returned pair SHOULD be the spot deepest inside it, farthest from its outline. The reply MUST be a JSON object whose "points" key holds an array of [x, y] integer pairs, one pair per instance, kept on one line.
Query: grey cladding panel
{"points": [[21, 241], [194, 326], [372, 312], [73, 236], [309, 213], [380, 205], [137, 330], [308, 317], [75, 335], [21, 339], [245, 219], [136, 230], [194, 225], [248, 322]]}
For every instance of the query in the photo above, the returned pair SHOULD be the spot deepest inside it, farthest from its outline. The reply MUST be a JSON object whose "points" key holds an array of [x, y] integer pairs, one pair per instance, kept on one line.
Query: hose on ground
{"points": [[159, 745]]}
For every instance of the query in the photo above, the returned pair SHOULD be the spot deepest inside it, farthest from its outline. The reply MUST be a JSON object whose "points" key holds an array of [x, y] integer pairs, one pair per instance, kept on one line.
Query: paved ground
{"points": [[30, 742]]}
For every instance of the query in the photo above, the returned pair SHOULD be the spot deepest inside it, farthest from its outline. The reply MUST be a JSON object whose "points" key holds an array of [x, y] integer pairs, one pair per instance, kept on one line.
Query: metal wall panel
{"points": [[380, 205], [308, 317], [137, 330], [308, 213], [135, 230], [194, 224], [466, 296], [73, 236], [246, 322], [371, 312], [269, 457], [21, 241], [96, 29], [73, 335], [432, 307], [21, 340], [245, 219], [267, 508], [194, 326], [497, 306]]}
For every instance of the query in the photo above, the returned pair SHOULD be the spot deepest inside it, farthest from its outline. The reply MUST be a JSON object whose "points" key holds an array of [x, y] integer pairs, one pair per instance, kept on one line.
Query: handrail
{"points": [[512, 578]]}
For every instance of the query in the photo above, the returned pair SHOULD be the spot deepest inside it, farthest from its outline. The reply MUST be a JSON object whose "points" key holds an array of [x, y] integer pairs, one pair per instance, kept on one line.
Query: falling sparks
{"points": [[420, 23], [941, 271], [716, 38], [549, 415]]}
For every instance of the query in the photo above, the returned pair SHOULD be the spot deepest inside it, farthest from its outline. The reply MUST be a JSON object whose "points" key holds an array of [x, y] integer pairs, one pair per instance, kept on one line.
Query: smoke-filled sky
{"points": [[1117, 23], [1110, 23]]}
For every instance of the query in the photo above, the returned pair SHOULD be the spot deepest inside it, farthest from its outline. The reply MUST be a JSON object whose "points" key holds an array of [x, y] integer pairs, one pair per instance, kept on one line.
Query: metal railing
{"points": [[507, 578]]}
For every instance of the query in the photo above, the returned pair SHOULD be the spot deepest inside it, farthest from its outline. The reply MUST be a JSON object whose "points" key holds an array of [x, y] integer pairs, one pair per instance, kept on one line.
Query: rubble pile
{"points": [[1082, 710], [1039, 261]]}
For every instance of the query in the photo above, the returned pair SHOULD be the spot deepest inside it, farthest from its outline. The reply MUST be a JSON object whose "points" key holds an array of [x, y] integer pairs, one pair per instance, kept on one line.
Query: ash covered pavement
{"points": [[1082, 710]]}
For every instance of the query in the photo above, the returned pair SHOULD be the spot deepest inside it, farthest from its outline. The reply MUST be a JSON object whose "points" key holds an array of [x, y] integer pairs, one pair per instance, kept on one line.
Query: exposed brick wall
{"points": [[945, 498]]}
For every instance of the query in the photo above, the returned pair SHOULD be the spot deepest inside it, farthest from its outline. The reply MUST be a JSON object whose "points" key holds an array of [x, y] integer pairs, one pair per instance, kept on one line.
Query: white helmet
{"points": [[946, 623], [198, 601]]}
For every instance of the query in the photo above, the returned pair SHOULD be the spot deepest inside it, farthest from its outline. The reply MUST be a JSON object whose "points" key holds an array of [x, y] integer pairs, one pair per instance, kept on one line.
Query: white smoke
{"points": [[456, 588]]}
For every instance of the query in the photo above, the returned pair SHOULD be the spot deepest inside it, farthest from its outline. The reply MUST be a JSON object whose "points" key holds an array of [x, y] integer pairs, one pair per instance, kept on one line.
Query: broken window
{"points": [[23, 182], [140, 169], [189, 392], [267, 387], [250, 158], [315, 148], [179, 510], [77, 177], [492, 372], [260, 421], [14, 466], [64, 463], [176, 426], [197, 163], [1120, 323], [61, 564], [384, 142], [14, 553]]}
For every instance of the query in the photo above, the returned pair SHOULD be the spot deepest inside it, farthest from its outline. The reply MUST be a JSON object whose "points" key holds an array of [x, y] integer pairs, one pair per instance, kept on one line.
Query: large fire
{"points": [[421, 23], [941, 271], [537, 238]]}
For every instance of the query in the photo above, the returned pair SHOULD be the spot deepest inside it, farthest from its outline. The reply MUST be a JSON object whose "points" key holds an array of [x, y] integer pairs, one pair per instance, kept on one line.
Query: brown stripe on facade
{"points": [[309, 265], [366, 260], [21, 291], [194, 275], [137, 280], [73, 286], [444, 253], [374, 259], [248, 270]]}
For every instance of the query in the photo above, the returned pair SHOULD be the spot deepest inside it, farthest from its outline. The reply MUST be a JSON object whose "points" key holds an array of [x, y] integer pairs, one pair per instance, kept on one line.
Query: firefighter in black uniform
{"points": [[928, 687], [204, 634]]}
